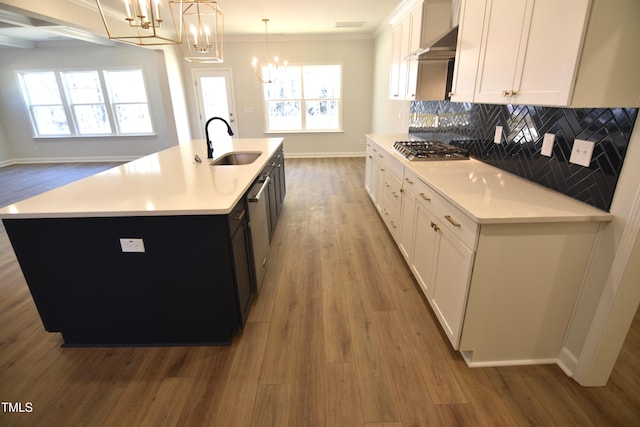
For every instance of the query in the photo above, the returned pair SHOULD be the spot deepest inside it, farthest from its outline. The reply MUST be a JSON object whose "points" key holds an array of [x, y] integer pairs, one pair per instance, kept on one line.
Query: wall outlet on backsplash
{"points": [[523, 148], [547, 144], [497, 137], [581, 152]]}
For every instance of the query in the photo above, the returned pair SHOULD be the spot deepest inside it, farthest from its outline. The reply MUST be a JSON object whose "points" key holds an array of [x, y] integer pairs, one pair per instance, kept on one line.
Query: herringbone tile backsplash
{"points": [[472, 126]]}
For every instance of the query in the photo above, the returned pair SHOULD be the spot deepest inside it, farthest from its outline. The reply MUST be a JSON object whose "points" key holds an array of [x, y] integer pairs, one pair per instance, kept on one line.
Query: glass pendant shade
{"points": [[141, 22]]}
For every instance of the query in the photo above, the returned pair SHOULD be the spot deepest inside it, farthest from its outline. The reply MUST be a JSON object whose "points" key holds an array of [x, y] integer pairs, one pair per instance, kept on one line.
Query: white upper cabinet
{"points": [[405, 39], [395, 88], [523, 51], [470, 28], [421, 24]]}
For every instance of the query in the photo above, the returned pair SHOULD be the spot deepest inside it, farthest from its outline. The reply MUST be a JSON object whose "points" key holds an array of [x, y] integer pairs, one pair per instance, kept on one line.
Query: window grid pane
{"points": [[83, 87], [303, 98], [129, 101], [50, 120], [85, 100]]}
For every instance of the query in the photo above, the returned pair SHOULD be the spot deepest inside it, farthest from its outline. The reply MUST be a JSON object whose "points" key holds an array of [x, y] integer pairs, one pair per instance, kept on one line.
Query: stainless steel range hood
{"points": [[442, 47]]}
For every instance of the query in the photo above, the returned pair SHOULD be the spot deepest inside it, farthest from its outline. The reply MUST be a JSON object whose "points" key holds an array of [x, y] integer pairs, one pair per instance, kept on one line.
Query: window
{"points": [[86, 102], [304, 98]]}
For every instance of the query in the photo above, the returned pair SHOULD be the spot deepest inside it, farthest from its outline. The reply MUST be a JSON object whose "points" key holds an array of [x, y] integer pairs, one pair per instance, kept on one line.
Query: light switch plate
{"points": [[547, 144], [132, 245], [581, 152], [497, 137]]}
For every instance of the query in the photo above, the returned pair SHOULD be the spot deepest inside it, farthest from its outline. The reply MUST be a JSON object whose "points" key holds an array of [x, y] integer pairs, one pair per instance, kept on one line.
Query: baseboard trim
{"points": [[7, 163], [321, 155], [567, 362], [498, 363]]}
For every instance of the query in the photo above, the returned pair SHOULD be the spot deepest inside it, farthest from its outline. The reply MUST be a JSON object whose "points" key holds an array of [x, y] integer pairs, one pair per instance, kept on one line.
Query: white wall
{"points": [[356, 57], [15, 120], [388, 116], [608, 288], [6, 155]]}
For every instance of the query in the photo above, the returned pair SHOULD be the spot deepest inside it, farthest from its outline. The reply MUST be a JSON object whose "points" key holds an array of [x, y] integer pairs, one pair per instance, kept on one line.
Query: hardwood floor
{"points": [[340, 335]]}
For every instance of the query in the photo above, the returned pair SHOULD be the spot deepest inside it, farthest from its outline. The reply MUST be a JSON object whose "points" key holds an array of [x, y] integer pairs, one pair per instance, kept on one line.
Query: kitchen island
{"points": [[153, 252], [500, 260]]}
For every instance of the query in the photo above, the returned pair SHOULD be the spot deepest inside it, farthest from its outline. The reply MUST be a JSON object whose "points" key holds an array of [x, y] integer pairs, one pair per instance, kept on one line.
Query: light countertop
{"points": [[491, 195], [169, 182]]}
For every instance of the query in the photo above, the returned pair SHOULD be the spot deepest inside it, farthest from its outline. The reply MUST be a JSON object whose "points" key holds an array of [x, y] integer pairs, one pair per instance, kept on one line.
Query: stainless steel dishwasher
{"points": [[259, 224]]}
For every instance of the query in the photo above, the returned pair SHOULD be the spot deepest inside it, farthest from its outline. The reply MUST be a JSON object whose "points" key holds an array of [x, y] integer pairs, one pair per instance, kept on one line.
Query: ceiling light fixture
{"points": [[203, 27], [140, 22], [272, 64]]}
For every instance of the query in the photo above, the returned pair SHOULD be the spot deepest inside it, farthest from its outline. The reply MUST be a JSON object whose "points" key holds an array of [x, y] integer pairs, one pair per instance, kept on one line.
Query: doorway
{"points": [[214, 92]]}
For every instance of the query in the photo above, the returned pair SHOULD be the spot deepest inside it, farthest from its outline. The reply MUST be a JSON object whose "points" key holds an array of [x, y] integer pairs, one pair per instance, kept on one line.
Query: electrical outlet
{"points": [[497, 137], [547, 144], [581, 152], [132, 245]]}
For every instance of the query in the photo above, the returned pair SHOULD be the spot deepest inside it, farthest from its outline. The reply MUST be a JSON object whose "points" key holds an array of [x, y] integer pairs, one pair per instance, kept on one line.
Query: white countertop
{"points": [[490, 195], [169, 182]]}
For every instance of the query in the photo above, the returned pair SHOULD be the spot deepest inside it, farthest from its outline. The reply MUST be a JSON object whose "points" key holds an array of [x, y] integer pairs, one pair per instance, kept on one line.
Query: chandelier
{"points": [[203, 31], [273, 66], [141, 22], [197, 25]]}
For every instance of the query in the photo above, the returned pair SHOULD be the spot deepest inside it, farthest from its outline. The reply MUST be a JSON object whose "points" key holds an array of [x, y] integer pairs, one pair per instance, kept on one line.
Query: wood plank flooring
{"points": [[340, 335]]}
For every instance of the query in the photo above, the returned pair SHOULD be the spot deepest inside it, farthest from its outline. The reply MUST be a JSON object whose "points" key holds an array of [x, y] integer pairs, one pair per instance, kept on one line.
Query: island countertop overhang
{"points": [[169, 182]]}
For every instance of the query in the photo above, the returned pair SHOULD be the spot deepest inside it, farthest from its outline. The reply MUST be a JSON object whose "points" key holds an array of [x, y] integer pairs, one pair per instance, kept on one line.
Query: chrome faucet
{"points": [[206, 131]]}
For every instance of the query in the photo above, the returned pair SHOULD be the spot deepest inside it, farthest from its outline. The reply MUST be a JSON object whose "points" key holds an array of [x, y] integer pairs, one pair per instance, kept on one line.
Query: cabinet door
{"points": [[407, 222], [242, 270], [368, 170], [547, 72], [413, 43], [451, 284], [396, 61], [471, 26], [425, 249], [502, 48]]}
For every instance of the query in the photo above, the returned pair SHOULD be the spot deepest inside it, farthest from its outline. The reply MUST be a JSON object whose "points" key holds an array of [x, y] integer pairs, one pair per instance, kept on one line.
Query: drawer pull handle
{"points": [[393, 224], [408, 180], [424, 197], [435, 226], [240, 215], [452, 221], [396, 195]]}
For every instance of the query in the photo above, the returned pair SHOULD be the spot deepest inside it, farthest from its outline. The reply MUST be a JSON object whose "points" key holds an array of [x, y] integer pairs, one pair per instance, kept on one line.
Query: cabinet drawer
{"points": [[450, 216], [393, 166], [237, 216], [392, 202], [457, 222]]}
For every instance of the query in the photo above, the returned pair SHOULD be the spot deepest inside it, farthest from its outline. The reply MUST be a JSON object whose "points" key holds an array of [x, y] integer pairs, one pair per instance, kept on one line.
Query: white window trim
{"points": [[73, 127], [339, 129]]}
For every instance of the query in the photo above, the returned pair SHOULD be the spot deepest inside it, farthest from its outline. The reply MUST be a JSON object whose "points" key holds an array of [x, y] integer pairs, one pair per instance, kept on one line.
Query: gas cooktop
{"points": [[430, 150]]}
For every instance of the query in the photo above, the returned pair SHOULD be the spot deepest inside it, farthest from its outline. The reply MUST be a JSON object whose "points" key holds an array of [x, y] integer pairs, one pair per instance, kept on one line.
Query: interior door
{"points": [[214, 91]]}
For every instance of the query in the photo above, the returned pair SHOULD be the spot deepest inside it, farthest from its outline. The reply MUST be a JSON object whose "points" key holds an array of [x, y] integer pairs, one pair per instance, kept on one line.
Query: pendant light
{"points": [[141, 22], [203, 31], [273, 64]]}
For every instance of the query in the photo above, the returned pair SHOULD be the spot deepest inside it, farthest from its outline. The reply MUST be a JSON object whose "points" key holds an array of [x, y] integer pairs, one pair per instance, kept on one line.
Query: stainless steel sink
{"points": [[237, 158]]}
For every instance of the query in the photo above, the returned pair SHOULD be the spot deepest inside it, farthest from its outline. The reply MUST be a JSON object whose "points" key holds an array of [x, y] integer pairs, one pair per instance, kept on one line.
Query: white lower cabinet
{"points": [[440, 261], [424, 252], [504, 292], [451, 283]]}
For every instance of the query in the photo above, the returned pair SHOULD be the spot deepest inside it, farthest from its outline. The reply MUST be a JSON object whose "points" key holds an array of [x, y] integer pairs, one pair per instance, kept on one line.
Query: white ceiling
{"points": [[243, 18]]}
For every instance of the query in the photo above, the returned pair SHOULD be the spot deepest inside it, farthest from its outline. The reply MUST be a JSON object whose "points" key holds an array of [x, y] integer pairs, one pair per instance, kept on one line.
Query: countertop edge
{"points": [[182, 154], [596, 216]]}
